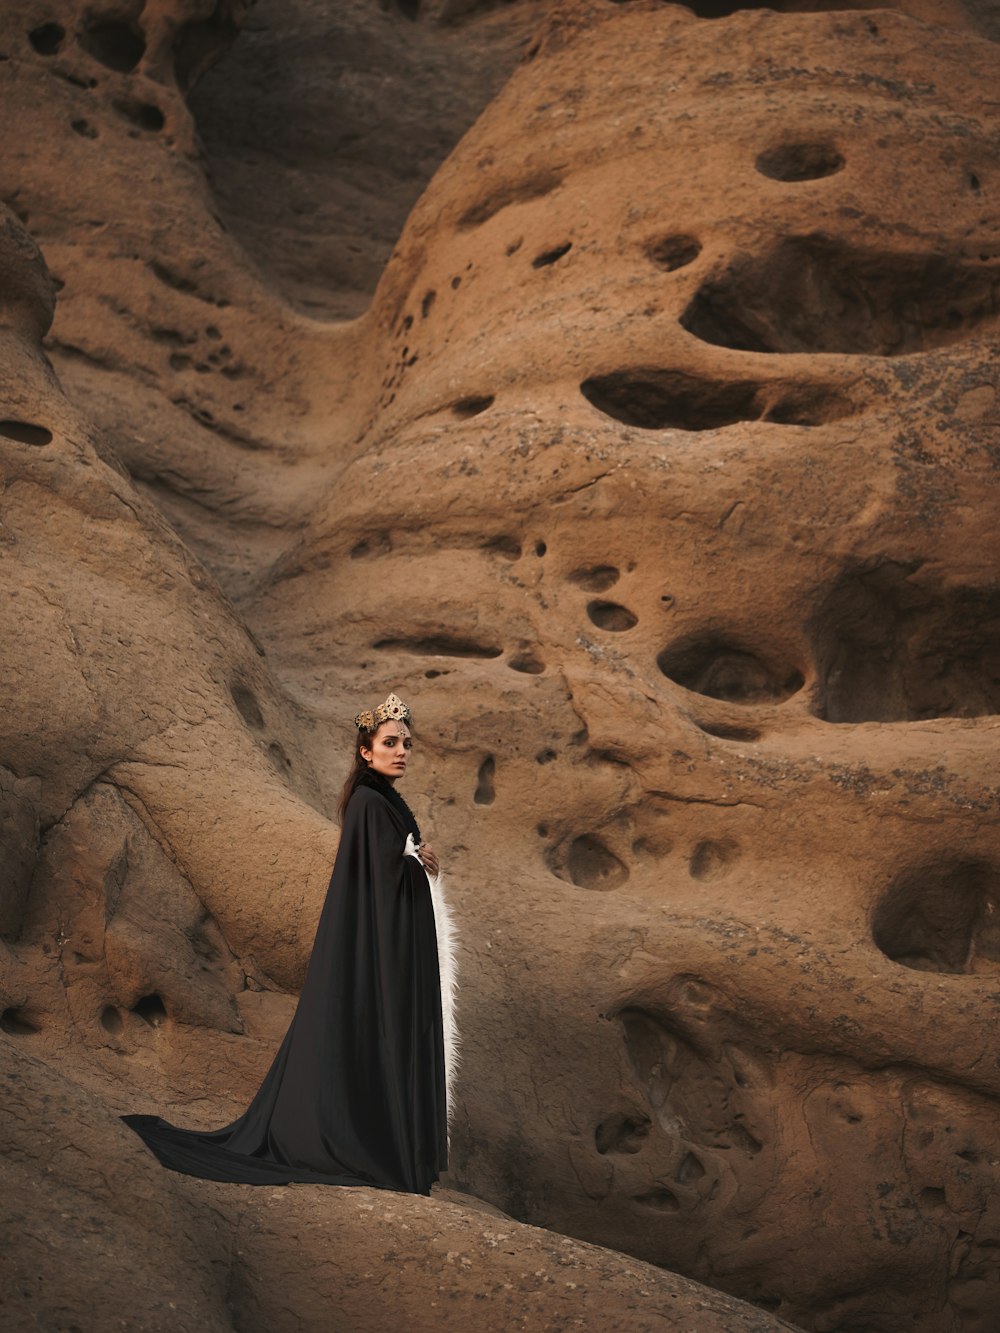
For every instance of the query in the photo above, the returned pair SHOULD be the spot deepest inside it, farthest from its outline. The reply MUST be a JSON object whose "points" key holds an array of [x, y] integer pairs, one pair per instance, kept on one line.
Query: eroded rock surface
{"points": [[660, 477]]}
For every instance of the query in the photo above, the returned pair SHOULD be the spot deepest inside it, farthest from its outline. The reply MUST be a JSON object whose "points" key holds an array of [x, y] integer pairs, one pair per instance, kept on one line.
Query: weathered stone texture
{"points": [[659, 476]]}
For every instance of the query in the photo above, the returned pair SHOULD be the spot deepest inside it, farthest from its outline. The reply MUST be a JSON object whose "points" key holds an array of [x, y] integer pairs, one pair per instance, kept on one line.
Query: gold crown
{"points": [[393, 710]]}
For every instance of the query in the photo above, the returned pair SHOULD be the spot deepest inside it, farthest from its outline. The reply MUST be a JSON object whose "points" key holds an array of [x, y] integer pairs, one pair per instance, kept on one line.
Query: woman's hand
{"points": [[428, 859]]}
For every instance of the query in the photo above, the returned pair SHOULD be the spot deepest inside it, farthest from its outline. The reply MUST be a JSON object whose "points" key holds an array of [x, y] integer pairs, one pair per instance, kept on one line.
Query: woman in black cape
{"points": [[359, 1091]]}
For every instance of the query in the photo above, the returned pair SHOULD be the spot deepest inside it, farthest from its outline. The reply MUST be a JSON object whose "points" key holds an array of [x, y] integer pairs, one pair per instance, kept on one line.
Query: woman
{"points": [[359, 1091]]}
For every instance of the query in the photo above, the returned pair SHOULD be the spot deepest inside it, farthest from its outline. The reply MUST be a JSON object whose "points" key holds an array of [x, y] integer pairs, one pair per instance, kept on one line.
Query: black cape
{"points": [[357, 1093]]}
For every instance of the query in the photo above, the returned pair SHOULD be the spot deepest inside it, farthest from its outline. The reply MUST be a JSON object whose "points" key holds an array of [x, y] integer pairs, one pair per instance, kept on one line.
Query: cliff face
{"points": [[659, 477]]}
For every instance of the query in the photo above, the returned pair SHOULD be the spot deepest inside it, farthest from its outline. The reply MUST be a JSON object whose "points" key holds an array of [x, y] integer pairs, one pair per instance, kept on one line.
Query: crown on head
{"points": [[393, 710]]}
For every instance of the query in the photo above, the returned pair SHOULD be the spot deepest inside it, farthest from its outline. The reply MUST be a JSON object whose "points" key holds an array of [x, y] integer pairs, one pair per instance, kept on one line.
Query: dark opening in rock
{"points": [[528, 663], [508, 547], [611, 616], [621, 1133], [151, 1010], [942, 917], [47, 38], [485, 788], [673, 252], [512, 192], [722, 668], [146, 115], [595, 578], [17, 1023], [117, 45], [111, 1020], [247, 705], [471, 407], [655, 399], [550, 256], [800, 161], [663, 1199], [586, 862], [713, 860], [726, 731], [25, 432], [278, 756], [440, 645], [817, 294], [720, 9], [889, 649]]}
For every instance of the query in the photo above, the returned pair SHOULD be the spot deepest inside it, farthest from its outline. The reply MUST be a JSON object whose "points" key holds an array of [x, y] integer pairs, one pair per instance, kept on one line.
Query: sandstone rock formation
{"points": [[660, 476]]}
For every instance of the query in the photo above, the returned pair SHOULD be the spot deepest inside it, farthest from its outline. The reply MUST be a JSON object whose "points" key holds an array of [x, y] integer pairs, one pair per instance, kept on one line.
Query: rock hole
{"points": [[589, 864], [117, 45], [720, 668], [378, 544], [673, 252], [456, 283], [83, 128], [942, 917], [800, 161], [111, 1020], [551, 256], [485, 791], [595, 578], [653, 1055], [545, 756], [427, 304], [540, 549], [17, 1023], [932, 1196], [727, 731], [25, 432], [440, 645], [713, 860], [246, 704], [816, 294], [146, 115], [508, 547], [151, 1010], [654, 399], [974, 185], [889, 649], [689, 1170], [610, 616], [718, 9], [471, 407], [515, 192], [279, 757], [742, 1138], [662, 1199], [542, 830], [527, 662], [621, 1133], [47, 38]]}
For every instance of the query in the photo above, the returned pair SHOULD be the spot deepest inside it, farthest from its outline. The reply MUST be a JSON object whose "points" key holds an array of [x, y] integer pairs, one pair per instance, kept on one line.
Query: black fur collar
{"points": [[369, 778]]}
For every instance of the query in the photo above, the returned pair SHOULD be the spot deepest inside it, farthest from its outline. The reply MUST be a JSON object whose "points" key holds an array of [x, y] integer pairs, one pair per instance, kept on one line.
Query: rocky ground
{"points": [[617, 382]]}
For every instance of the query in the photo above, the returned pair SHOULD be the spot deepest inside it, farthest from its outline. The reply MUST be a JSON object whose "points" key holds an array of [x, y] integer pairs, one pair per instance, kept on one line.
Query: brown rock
{"points": [[660, 478]]}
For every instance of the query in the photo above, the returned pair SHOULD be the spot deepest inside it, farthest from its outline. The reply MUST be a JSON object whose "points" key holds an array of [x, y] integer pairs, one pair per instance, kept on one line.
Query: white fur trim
{"points": [[447, 941]]}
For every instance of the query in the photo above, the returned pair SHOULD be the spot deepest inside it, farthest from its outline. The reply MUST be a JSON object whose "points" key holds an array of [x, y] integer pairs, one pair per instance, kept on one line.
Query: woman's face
{"points": [[390, 750]]}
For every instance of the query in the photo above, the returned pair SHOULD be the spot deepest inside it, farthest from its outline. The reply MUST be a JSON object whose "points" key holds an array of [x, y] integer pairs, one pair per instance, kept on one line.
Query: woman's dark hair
{"points": [[359, 765]]}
